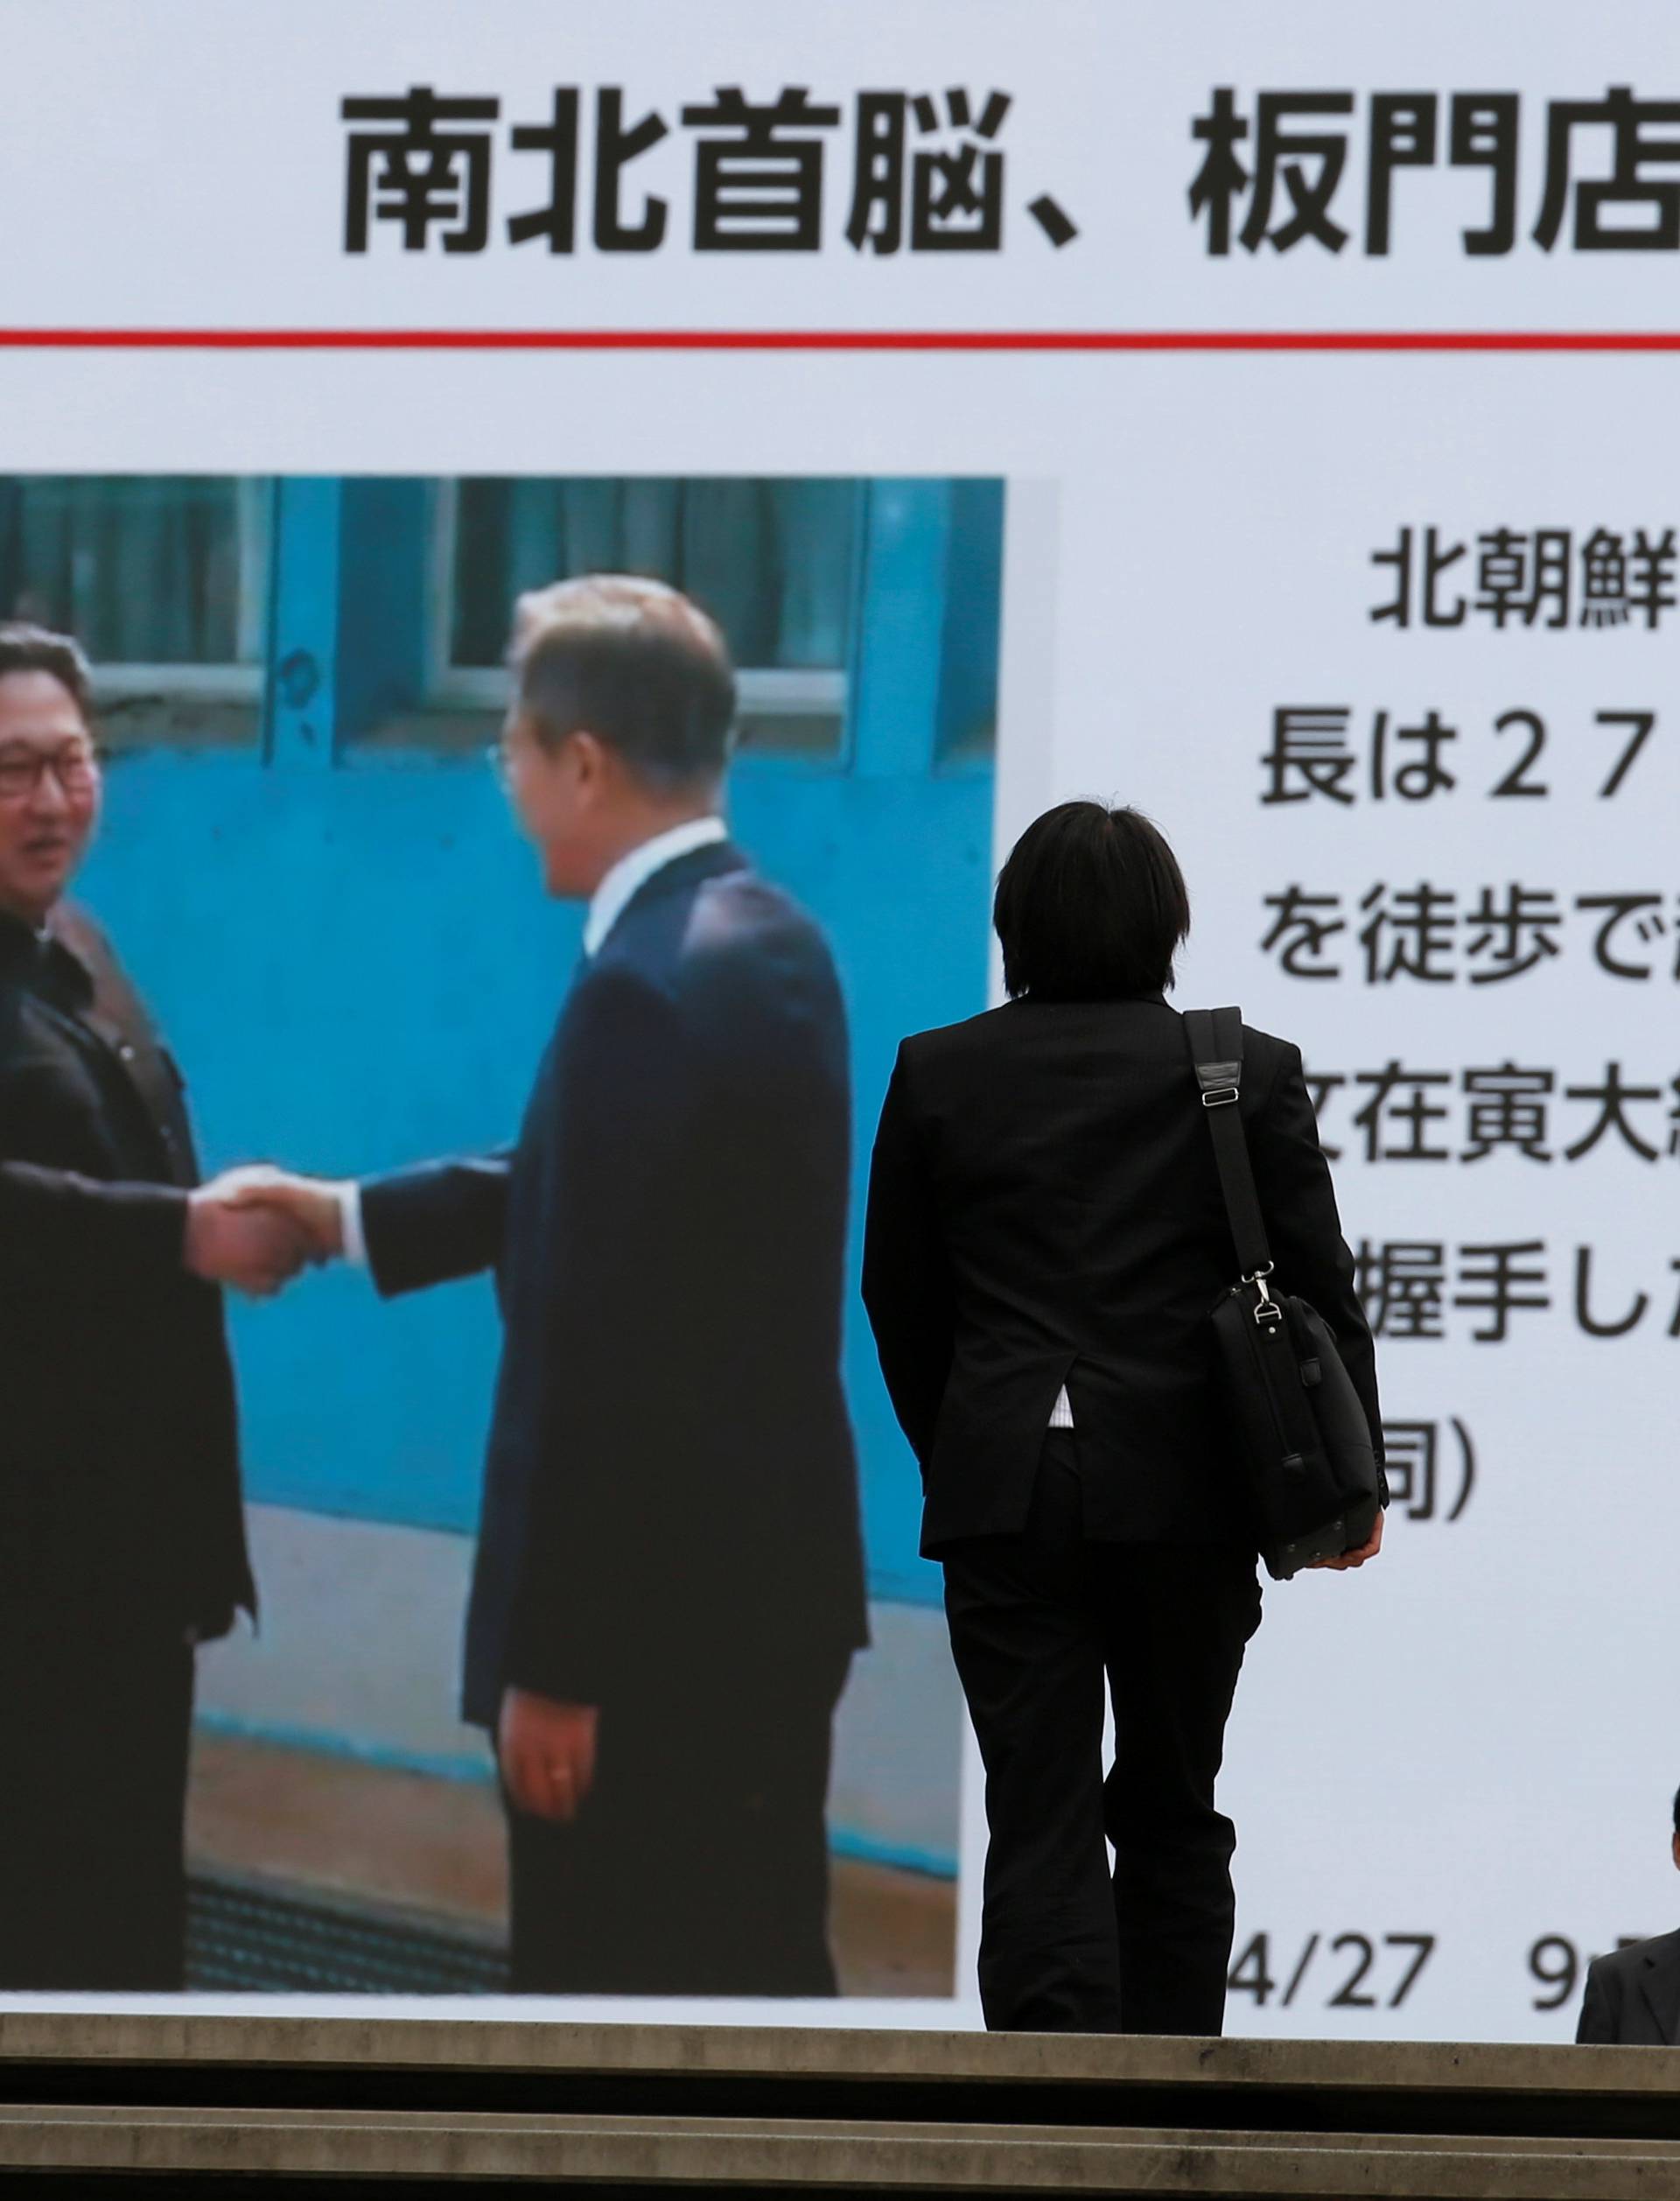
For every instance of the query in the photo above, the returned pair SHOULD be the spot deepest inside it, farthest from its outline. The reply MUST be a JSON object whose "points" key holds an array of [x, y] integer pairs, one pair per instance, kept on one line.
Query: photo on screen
{"points": [[306, 866]]}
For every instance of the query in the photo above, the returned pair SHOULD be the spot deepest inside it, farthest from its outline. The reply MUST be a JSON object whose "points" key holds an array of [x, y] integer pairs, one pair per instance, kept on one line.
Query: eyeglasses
{"points": [[75, 768], [500, 758]]}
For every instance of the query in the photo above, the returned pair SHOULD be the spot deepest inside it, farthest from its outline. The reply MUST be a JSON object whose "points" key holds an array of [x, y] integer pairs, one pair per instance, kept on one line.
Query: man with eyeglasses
{"points": [[122, 1532]]}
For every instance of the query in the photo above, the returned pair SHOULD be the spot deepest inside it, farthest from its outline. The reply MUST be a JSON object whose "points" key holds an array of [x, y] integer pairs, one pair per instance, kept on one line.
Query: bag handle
{"points": [[1215, 1037]]}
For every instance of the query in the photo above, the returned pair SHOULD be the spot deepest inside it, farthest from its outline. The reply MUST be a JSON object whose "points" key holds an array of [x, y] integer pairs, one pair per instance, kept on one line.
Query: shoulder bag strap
{"points": [[1215, 1038]]}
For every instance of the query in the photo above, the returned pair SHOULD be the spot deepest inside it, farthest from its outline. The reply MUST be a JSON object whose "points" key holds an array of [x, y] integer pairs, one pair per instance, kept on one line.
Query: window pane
{"points": [[772, 561], [812, 734], [163, 580], [144, 570], [967, 733]]}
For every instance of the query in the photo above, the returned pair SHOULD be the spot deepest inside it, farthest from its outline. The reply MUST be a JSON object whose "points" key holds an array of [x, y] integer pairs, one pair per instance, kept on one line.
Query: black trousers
{"points": [[1037, 1621], [94, 1714], [699, 1861]]}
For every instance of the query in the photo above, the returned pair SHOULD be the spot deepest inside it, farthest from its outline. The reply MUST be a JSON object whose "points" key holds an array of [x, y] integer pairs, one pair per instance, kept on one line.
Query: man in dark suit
{"points": [[1633, 1994], [1045, 1239], [669, 1583], [121, 1537]]}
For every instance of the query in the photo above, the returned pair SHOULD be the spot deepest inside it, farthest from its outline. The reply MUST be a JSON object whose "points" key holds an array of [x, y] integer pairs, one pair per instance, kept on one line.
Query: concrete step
{"points": [[190, 2104], [743, 2156], [457, 2064]]}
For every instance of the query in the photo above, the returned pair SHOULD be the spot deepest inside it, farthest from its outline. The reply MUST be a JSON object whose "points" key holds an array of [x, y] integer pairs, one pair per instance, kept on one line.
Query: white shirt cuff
{"points": [[356, 1245]]}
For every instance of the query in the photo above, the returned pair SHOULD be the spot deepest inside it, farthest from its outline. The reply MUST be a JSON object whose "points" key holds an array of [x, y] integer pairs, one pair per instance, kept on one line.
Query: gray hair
{"points": [[634, 663]]}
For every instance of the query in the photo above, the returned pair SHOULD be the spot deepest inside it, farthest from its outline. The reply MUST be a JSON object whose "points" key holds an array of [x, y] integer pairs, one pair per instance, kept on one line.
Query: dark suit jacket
{"points": [[1044, 1209], [119, 1474], [670, 1487], [1632, 1995]]}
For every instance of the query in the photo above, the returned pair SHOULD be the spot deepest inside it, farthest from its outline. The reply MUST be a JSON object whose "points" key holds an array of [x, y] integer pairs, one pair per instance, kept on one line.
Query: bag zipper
{"points": [[1284, 1452]]}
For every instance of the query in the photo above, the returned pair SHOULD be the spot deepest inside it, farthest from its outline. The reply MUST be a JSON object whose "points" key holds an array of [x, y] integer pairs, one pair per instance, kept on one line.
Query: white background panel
{"points": [[1475, 1739]]}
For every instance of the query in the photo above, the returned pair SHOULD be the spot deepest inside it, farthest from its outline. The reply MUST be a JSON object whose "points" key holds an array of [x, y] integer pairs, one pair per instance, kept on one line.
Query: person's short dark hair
{"points": [[632, 661], [1090, 904], [1677, 1810], [26, 648]]}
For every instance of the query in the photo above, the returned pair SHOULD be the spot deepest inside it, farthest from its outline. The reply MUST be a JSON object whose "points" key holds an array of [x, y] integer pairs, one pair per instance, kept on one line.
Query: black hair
{"points": [[1090, 904]]}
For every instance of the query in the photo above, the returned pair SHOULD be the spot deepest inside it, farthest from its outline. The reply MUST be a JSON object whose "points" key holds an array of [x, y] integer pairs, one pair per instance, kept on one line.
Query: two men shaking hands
{"points": [[668, 1583]]}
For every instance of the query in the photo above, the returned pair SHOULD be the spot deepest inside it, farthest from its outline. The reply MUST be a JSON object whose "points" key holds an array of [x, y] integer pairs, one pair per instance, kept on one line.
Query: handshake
{"points": [[258, 1227]]}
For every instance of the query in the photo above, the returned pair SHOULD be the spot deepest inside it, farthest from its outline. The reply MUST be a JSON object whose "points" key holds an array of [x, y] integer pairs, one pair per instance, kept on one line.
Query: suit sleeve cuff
{"points": [[561, 1679], [155, 1219], [351, 1235]]}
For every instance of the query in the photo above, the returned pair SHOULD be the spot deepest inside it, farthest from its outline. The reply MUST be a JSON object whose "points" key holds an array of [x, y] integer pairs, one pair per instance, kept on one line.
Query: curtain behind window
{"points": [[772, 561], [148, 569]]}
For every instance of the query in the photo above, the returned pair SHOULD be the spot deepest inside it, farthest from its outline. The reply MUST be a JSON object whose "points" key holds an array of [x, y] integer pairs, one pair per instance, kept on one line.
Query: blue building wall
{"points": [[350, 949]]}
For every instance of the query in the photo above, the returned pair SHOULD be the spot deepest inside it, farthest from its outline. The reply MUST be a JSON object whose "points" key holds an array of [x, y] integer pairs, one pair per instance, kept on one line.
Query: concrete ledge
{"points": [[875, 2057], [180, 2103], [746, 2156]]}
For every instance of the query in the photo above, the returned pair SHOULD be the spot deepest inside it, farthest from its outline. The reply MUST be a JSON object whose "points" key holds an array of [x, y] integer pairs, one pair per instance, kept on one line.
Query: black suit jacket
{"points": [[1044, 1209], [1632, 1995], [671, 1486], [119, 1474]]}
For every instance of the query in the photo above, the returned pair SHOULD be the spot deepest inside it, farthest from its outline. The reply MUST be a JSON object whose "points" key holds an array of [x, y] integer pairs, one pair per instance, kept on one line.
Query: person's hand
{"points": [[255, 1251], [1367, 1550], [546, 1752], [311, 1205]]}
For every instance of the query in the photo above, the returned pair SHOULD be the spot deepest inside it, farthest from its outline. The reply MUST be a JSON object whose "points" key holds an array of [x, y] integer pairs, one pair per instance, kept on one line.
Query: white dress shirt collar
{"points": [[632, 872]]}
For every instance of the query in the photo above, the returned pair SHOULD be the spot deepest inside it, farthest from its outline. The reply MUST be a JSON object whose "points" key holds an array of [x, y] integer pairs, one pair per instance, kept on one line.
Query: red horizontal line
{"points": [[447, 340]]}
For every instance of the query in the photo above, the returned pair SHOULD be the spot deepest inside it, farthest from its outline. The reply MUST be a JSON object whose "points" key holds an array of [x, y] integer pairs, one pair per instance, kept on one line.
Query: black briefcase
{"points": [[1304, 1443]]}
